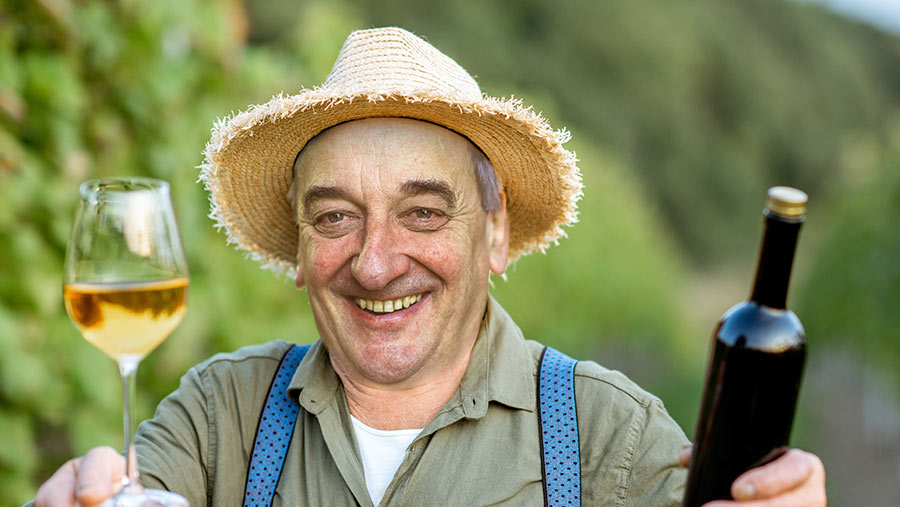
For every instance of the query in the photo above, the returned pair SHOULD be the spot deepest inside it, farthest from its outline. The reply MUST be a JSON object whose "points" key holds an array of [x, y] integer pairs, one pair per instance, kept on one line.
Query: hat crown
{"points": [[385, 61], [384, 72]]}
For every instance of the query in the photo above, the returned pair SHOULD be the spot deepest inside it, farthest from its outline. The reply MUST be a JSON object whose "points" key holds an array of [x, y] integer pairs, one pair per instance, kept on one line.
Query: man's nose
{"points": [[381, 258]]}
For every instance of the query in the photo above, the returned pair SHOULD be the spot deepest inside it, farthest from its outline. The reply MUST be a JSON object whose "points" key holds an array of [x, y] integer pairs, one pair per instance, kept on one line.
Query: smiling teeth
{"points": [[391, 305]]}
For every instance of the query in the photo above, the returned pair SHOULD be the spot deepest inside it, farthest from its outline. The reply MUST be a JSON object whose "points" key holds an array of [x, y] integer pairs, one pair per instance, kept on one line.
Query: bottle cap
{"points": [[787, 202]]}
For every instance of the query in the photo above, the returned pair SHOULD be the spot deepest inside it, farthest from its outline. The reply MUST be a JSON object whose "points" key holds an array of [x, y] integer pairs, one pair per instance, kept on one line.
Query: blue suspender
{"points": [[561, 462], [561, 459], [273, 434]]}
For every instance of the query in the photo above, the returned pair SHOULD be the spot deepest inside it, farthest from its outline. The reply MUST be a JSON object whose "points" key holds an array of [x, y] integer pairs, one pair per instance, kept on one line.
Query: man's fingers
{"points": [[800, 497], [59, 490], [684, 457], [88, 480], [786, 473], [99, 475]]}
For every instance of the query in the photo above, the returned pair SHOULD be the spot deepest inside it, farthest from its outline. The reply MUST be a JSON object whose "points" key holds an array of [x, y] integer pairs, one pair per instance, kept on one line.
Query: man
{"points": [[391, 194]]}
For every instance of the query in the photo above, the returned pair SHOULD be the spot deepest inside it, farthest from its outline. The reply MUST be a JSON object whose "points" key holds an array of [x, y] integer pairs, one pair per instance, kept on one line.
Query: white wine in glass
{"points": [[125, 288]]}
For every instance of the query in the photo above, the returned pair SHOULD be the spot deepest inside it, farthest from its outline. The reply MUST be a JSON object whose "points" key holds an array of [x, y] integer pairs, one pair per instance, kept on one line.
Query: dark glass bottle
{"points": [[755, 366]]}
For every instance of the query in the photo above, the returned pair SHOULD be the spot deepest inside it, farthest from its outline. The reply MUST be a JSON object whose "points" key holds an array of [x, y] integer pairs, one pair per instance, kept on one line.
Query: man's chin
{"points": [[391, 364]]}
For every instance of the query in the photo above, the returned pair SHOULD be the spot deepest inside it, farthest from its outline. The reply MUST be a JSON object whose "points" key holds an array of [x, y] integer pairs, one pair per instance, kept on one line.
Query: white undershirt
{"points": [[382, 452]]}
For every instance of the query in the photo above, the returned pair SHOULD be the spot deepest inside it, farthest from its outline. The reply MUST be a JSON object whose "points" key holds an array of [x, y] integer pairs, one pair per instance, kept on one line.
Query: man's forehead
{"points": [[394, 126], [371, 147], [374, 135]]}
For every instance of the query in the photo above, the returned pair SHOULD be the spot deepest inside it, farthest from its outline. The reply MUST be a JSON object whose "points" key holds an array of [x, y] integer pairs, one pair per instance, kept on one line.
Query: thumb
{"points": [[684, 457], [99, 475]]}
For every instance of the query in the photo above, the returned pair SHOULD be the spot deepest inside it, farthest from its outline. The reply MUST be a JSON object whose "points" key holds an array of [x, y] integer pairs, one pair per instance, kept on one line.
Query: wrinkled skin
{"points": [[389, 208]]}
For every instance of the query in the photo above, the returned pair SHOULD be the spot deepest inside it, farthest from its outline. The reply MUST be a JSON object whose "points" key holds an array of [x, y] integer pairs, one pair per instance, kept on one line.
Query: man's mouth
{"points": [[387, 306]]}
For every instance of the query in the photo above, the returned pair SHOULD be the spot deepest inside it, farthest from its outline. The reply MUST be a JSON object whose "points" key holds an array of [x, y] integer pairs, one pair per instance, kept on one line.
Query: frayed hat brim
{"points": [[249, 161]]}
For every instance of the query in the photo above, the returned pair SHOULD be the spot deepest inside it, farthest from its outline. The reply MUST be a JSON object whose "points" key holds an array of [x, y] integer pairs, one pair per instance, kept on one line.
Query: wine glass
{"points": [[125, 288]]}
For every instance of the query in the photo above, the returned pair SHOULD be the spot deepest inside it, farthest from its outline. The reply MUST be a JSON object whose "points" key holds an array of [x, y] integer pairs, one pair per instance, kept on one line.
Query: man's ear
{"points": [[498, 236], [298, 280]]}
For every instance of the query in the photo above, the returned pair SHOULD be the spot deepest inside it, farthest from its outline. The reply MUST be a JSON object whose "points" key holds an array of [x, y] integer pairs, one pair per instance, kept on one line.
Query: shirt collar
{"points": [[314, 384], [501, 369]]}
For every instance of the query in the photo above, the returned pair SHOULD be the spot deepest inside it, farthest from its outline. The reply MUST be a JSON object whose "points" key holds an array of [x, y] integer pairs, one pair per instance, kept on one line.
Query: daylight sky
{"points": [[882, 13]]}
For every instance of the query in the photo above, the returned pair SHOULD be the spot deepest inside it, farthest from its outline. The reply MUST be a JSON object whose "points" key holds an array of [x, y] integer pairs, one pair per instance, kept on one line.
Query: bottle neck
{"points": [[776, 257]]}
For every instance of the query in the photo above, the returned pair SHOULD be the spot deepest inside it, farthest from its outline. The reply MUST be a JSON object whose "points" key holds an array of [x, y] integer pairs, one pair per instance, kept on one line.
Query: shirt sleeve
{"points": [[172, 447], [629, 444], [656, 478]]}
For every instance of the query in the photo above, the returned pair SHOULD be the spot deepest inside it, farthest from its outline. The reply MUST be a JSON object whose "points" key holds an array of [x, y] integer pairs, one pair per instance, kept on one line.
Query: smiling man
{"points": [[395, 252], [391, 194]]}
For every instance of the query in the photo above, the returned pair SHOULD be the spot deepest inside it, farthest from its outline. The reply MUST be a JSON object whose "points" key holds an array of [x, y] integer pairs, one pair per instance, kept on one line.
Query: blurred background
{"points": [[682, 114]]}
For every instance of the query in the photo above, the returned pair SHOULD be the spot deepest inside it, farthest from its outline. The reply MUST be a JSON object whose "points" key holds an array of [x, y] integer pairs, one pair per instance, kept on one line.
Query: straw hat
{"points": [[384, 72]]}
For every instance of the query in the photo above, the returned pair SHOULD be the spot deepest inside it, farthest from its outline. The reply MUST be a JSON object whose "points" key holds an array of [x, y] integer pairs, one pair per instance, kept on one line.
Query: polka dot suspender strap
{"points": [[273, 433], [561, 464]]}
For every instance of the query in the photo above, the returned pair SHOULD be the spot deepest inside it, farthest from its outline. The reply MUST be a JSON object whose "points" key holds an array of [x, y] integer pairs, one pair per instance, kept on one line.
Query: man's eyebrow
{"points": [[316, 192], [410, 188], [437, 187]]}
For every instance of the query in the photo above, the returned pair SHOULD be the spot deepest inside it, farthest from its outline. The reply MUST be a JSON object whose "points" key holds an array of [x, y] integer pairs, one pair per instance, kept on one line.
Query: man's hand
{"points": [[88, 480], [796, 479]]}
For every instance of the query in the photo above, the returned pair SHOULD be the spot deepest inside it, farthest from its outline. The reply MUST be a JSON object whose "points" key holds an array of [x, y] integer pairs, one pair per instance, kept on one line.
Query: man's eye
{"points": [[335, 223], [424, 219], [335, 217]]}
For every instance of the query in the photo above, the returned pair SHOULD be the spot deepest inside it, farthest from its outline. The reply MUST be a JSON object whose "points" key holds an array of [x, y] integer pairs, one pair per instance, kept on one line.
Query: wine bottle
{"points": [[755, 366]]}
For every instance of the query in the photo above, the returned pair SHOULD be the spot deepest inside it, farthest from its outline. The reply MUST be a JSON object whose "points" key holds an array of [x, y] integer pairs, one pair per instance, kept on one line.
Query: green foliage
{"points": [[609, 291], [853, 294], [92, 89], [709, 102], [683, 113], [593, 271]]}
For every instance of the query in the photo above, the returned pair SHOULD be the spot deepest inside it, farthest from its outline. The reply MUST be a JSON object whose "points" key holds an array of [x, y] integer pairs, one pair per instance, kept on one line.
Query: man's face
{"points": [[389, 211]]}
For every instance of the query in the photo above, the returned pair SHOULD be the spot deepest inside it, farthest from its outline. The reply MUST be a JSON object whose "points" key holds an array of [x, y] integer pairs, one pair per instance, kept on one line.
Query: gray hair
{"points": [[485, 178], [488, 188]]}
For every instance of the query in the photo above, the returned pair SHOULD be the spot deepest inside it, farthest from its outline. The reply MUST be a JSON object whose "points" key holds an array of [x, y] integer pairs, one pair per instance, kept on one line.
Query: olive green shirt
{"points": [[482, 448]]}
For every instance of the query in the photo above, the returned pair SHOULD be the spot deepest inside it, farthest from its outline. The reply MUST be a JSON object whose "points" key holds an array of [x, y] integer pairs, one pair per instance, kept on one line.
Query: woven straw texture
{"points": [[384, 72]]}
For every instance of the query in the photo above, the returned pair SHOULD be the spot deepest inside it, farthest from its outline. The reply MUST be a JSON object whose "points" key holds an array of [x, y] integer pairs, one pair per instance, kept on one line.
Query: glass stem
{"points": [[128, 369]]}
